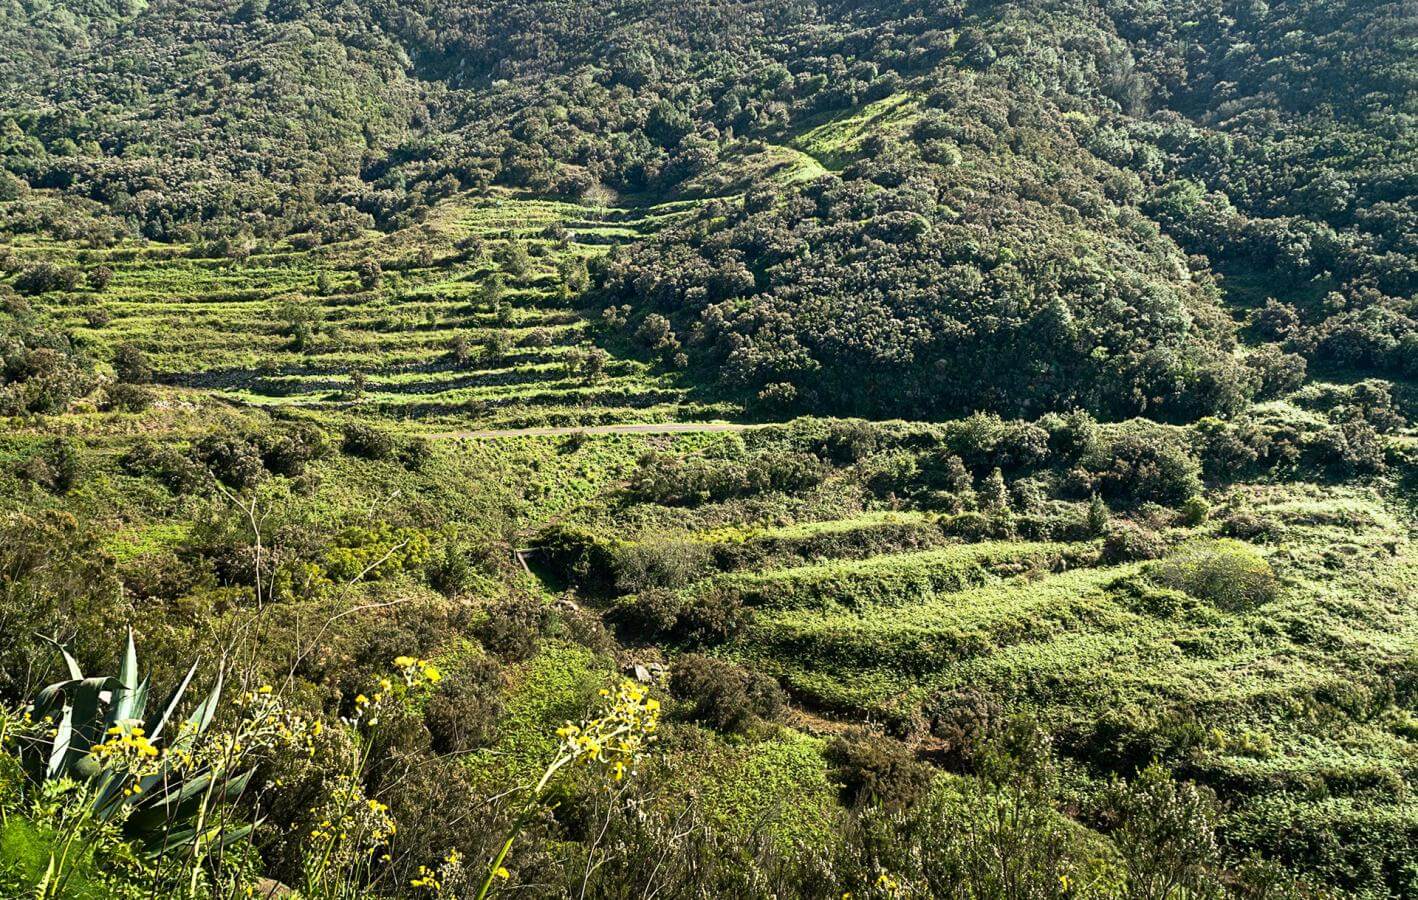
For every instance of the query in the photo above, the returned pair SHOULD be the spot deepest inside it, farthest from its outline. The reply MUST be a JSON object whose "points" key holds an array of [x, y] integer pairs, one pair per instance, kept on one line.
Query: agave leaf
{"points": [[181, 837], [128, 703], [201, 717], [88, 725], [75, 672], [59, 749], [52, 697], [128, 671], [159, 719]]}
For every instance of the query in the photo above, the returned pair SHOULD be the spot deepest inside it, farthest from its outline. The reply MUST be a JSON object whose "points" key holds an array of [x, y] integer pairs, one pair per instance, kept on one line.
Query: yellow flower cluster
{"points": [[448, 875], [617, 737], [890, 886], [127, 749], [417, 671], [413, 671], [353, 825]]}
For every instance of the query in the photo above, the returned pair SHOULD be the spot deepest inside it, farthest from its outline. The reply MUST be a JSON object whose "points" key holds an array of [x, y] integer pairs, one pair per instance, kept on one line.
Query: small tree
{"points": [[99, 277], [370, 273], [1165, 832], [131, 365], [993, 494], [1097, 515]]}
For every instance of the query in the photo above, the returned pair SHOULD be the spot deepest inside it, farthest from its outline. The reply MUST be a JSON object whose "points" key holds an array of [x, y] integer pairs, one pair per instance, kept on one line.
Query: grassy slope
{"points": [[1045, 627]]}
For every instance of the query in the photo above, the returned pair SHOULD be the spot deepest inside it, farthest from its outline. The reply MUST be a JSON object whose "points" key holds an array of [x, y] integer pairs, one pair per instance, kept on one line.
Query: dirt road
{"points": [[630, 428]]}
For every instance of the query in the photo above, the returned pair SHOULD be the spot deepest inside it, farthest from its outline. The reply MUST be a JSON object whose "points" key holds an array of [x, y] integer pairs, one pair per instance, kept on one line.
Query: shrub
{"points": [[414, 453], [370, 274], [1247, 525], [127, 397], [57, 579], [513, 628], [1195, 510], [375, 552], [1072, 435], [723, 695], [583, 558], [232, 459], [1353, 448], [174, 469], [1227, 574], [99, 277], [659, 564], [1127, 542], [872, 769], [462, 713], [649, 614], [40, 371], [367, 442], [1278, 372], [56, 468], [1165, 832], [44, 277], [849, 441], [131, 365], [1139, 467], [1097, 520], [289, 451], [710, 617], [964, 720]]}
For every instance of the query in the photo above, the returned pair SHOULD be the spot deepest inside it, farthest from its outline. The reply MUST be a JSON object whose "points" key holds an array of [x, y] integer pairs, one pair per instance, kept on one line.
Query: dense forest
{"points": [[708, 448]]}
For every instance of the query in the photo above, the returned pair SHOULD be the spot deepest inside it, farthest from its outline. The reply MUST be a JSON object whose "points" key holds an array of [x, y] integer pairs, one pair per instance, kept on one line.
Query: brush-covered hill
{"points": [[983, 198], [982, 433]]}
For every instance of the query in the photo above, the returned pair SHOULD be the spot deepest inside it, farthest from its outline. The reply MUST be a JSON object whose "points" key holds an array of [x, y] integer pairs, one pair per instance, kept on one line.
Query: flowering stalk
{"points": [[613, 741]]}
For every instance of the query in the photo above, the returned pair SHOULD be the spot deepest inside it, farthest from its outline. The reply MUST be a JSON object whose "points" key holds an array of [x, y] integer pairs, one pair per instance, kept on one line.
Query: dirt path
{"points": [[553, 431]]}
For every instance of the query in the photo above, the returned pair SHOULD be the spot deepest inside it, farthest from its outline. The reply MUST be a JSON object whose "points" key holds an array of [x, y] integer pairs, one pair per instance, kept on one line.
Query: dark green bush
{"points": [[57, 468], [288, 451], [127, 397], [131, 365], [1129, 542], [872, 769], [963, 720], [43, 277], [583, 558], [463, 712], [232, 459], [723, 695], [1248, 525], [1136, 467], [367, 442], [170, 466], [513, 628]]}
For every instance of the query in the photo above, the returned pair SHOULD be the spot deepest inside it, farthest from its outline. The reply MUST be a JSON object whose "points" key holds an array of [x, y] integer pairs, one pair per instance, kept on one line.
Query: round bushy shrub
{"points": [[1227, 574], [462, 714], [964, 720], [367, 442], [1127, 542], [513, 628], [723, 695], [870, 769]]}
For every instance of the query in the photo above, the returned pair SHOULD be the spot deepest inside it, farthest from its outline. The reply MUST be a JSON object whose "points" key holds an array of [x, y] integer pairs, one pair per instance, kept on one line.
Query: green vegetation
{"points": [[708, 449]]}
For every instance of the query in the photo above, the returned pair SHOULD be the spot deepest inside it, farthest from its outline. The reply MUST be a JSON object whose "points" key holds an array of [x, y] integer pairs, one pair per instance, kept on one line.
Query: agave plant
{"points": [[155, 783]]}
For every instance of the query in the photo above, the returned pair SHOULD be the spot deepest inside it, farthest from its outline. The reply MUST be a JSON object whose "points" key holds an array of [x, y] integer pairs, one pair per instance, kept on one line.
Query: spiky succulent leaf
{"points": [[159, 719]]}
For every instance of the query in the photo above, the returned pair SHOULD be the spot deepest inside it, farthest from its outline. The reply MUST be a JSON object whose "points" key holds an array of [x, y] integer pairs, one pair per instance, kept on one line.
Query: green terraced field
{"points": [[225, 325]]}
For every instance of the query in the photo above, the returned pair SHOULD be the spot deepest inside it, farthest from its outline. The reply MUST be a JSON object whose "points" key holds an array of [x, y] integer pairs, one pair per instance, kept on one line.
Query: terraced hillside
{"points": [[468, 322], [927, 622]]}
